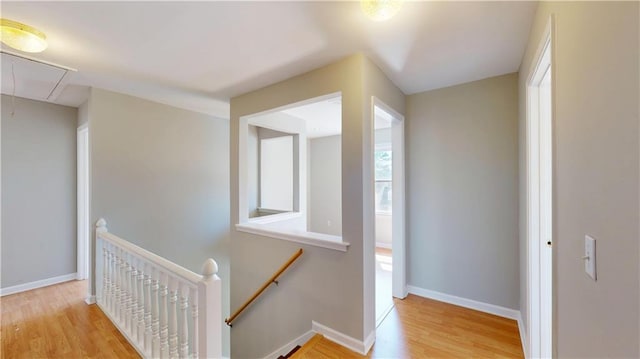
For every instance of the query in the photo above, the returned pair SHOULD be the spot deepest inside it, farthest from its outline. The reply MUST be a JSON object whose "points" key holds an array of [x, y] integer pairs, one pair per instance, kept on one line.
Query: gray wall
{"points": [[38, 191], [160, 177], [324, 285], [325, 188], [462, 190], [596, 154]]}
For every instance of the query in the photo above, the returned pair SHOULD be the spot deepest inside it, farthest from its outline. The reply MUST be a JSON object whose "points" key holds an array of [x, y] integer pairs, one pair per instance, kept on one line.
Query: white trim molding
{"points": [[464, 302], [523, 338], [310, 238], [358, 346], [37, 284], [285, 349]]}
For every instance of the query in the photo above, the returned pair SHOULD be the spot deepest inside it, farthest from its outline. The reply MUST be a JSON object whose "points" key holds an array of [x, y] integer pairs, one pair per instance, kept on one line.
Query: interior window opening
{"points": [[293, 168]]}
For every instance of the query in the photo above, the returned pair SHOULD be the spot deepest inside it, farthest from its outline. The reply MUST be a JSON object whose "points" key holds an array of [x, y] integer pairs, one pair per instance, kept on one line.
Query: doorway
{"points": [[388, 164], [83, 202], [539, 204]]}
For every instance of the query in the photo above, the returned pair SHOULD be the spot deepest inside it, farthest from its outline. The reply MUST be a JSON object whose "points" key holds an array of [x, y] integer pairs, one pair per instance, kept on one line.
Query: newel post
{"points": [[101, 226], [210, 308]]}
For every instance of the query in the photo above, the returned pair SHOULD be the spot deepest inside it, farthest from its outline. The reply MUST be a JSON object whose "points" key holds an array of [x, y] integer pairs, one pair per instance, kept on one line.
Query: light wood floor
{"points": [[55, 322], [424, 328]]}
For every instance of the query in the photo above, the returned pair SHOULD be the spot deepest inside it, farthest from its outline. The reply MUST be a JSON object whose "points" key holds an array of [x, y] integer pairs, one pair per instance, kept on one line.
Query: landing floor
{"points": [[54, 322]]}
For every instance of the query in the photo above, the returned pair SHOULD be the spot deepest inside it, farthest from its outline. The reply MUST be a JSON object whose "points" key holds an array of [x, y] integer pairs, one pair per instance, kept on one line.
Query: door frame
{"points": [[82, 184], [398, 241], [539, 218]]}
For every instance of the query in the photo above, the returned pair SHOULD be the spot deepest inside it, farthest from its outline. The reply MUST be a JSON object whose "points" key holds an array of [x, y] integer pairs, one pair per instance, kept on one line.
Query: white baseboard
{"points": [[368, 342], [523, 337], [301, 340], [90, 299], [346, 341], [383, 245], [467, 303], [37, 284]]}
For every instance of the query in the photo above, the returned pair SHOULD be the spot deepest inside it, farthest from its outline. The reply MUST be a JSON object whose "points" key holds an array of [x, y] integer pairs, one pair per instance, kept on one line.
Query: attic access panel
{"points": [[32, 78]]}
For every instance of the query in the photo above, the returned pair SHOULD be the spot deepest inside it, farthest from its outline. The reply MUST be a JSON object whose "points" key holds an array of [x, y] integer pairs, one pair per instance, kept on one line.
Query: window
{"points": [[383, 177], [276, 174]]}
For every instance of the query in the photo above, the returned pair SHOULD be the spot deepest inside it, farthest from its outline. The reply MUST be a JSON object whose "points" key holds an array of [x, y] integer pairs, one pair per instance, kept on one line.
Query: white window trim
{"points": [[260, 225], [310, 238]]}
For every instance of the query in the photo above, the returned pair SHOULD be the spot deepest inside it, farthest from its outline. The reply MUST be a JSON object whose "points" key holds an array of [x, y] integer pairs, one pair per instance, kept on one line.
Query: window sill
{"points": [[310, 238], [274, 218]]}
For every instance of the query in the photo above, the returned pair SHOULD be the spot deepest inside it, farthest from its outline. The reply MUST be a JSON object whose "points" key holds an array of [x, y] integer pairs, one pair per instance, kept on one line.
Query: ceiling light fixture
{"points": [[22, 37], [380, 10]]}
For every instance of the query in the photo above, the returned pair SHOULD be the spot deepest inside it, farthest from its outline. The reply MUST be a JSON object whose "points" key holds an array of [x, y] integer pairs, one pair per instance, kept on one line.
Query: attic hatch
{"points": [[31, 78]]}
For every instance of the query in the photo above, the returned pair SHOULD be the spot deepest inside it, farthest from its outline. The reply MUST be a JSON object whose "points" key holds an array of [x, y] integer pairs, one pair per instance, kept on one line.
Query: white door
{"points": [[539, 206], [545, 240]]}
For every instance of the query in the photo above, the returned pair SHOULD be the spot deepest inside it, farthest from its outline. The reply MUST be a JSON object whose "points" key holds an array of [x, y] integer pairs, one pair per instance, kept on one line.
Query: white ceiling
{"points": [[322, 118], [197, 55]]}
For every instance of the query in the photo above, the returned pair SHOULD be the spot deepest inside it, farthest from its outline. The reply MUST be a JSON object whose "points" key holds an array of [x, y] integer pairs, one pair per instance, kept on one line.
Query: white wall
{"points": [[325, 185], [325, 192], [38, 191], [596, 162], [160, 177], [462, 190]]}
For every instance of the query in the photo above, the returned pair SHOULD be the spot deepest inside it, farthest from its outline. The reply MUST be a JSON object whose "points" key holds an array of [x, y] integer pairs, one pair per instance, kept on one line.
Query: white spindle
{"points": [[193, 298], [164, 314], [173, 318], [184, 319], [133, 303], [147, 308], [163, 309], [104, 296], [123, 288], [109, 297], [115, 270], [155, 313], [141, 299]]}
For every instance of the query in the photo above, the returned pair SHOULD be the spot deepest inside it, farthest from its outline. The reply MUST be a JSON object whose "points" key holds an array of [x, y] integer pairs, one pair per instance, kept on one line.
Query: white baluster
{"points": [[133, 304], [108, 296], [105, 275], [114, 280], [164, 317], [193, 299], [155, 313], [173, 318], [147, 308], [141, 301], [184, 317], [115, 263], [123, 288]]}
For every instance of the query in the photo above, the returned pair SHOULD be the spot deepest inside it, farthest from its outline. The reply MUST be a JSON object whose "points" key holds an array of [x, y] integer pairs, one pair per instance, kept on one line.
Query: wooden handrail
{"points": [[264, 286]]}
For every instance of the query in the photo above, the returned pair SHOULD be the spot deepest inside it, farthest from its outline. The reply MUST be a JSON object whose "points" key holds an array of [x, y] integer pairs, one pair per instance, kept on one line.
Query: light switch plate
{"points": [[590, 256]]}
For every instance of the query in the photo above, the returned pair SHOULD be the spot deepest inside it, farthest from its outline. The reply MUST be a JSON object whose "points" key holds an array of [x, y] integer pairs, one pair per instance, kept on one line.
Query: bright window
{"points": [[383, 177]]}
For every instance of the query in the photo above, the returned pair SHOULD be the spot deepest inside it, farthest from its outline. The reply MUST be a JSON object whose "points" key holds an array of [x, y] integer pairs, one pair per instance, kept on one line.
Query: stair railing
{"points": [[164, 310], [273, 279]]}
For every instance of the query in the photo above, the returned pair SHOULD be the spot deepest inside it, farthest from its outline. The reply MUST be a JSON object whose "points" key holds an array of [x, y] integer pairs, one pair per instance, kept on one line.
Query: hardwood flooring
{"points": [[424, 328], [55, 322]]}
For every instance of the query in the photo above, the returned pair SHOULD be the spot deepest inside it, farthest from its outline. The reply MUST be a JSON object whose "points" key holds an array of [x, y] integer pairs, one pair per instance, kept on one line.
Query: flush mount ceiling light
{"points": [[380, 10], [22, 37]]}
